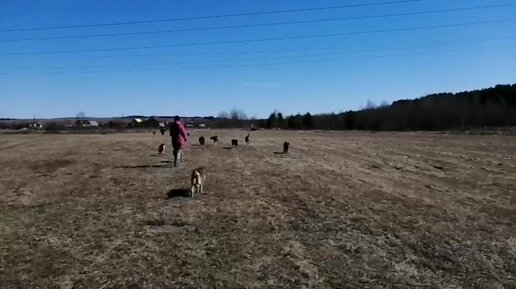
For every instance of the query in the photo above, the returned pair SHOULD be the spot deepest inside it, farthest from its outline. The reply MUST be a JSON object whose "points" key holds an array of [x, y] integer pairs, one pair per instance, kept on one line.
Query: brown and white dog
{"points": [[161, 148], [216, 139], [198, 180]]}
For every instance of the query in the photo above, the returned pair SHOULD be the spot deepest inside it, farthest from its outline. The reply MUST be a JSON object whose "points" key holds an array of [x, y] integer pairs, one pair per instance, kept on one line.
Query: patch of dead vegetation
{"points": [[344, 210], [48, 166]]}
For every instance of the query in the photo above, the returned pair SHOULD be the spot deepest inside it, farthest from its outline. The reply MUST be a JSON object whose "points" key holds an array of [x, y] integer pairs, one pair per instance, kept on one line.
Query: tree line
{"points": [[490, 107]]}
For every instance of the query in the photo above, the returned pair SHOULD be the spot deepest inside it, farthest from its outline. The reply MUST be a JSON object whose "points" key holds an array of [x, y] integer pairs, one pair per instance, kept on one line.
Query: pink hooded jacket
{"points": [[178, 134]]}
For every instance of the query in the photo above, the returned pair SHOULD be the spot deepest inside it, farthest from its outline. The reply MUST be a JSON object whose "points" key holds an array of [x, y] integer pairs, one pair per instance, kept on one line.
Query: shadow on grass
{"points": [[178, 193], [279, 153], [142, 166], [233, 147]]}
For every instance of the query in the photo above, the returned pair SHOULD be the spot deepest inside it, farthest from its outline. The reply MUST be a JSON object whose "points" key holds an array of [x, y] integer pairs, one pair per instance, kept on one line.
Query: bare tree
{"points": [[370, 104], [237, 114], [384, 104], [223, 115]]}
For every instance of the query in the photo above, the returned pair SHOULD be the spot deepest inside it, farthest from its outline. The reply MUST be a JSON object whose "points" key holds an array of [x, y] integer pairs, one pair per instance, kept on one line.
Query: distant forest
{"points": [[491, 107]]}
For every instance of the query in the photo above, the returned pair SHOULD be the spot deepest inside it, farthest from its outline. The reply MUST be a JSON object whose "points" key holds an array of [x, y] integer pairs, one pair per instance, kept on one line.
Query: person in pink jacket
{"points": [[178, 135]]}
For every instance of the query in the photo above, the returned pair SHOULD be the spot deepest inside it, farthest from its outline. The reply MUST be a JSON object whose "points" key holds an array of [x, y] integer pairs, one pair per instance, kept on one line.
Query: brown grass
{"points": [[340, 210]]}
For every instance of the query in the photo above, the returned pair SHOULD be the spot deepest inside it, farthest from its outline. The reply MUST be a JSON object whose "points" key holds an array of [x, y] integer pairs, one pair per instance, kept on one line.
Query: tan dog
{"points": [[161, 148], [198, 180]]}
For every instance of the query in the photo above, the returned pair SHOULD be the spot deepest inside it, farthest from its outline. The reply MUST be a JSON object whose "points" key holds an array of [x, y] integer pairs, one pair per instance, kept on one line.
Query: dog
{"points": [[247, 139], [198, 180], [153, 133], [201, 140], [234, 142], [285, 147], [161, 148], [216, 139]]}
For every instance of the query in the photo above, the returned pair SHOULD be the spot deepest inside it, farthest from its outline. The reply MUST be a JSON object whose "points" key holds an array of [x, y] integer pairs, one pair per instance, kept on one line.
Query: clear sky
{"points": [[130, 75]]}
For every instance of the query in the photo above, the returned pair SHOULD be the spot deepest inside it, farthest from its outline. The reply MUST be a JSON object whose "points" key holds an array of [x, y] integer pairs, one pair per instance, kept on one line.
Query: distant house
{"points": [[139, 122], [163, 121], [156, 122], [86, 123], [35, 126], [190, 122]]}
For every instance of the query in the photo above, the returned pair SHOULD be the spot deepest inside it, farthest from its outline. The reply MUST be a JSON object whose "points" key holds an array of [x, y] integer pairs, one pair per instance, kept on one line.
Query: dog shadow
{"points": [[178, 193], [142, 166], [279, 153]]}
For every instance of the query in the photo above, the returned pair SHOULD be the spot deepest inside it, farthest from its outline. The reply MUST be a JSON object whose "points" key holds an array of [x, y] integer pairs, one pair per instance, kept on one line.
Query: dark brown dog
{"points": [[161, 148], [285, 147]]}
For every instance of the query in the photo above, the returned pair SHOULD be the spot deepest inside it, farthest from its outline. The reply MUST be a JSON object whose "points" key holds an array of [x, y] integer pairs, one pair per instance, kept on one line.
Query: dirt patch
{"points": [[47, 166]]}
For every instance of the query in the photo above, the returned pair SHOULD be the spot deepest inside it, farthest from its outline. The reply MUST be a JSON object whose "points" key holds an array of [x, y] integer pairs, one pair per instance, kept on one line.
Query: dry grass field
{"points": [[341, 210]]}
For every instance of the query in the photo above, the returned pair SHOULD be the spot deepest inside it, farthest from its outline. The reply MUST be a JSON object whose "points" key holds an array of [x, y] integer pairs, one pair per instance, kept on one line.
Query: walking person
{"points": [[178, 135]]}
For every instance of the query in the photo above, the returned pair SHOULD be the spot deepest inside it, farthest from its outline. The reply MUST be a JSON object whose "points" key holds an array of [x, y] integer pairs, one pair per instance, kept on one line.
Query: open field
{"points": [[341, 210]]}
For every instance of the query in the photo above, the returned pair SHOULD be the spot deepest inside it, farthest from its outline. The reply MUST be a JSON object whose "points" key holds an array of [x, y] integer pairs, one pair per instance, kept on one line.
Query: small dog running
{"points": [[201, 140], [247, 139], [161, 148], [285, 147]]}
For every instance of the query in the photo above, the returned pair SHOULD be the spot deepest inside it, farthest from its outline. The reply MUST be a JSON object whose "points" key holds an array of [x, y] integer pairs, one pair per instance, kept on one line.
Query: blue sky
{"points": [[323, 74]]}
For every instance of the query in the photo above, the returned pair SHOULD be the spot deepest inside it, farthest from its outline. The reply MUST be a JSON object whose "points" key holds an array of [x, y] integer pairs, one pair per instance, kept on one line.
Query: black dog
{"points": [[234, 142], [285, 147], [201, 140]]}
